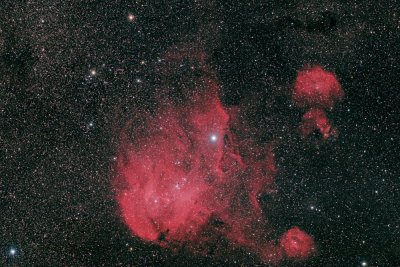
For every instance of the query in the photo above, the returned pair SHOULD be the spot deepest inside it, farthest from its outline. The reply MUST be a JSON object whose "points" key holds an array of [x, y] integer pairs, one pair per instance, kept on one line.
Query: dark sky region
{"points": [[78, 76]]}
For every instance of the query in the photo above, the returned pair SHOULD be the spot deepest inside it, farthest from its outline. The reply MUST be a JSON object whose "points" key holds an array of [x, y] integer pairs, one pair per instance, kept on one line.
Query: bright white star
{"points": [[13, 251]]}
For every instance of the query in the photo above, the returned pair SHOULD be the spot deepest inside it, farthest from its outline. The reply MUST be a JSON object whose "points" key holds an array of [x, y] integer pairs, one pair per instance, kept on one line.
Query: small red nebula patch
{"points": [[316, 87], [316, 120], [297, 244], [184, 176]]}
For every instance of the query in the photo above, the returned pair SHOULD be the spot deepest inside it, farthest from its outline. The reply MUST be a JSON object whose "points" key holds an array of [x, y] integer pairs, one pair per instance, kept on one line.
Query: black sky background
{"points": [[59, 123]]}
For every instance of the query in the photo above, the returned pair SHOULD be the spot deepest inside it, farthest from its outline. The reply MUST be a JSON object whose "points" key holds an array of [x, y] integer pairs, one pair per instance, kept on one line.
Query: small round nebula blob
{"points": [[317, 88], [297, 244]]}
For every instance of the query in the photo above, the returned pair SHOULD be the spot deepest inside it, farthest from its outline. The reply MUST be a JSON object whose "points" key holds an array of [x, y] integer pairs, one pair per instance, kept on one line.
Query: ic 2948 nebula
{"points": [[183, 179]]}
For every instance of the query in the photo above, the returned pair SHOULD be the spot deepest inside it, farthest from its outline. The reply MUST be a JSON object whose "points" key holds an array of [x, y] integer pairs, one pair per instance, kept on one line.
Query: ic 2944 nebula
{"points": [[183, 177]]}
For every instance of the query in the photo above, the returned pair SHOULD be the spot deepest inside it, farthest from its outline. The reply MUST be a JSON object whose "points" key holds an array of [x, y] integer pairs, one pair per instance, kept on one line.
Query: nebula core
{"points": [[183, 179]]}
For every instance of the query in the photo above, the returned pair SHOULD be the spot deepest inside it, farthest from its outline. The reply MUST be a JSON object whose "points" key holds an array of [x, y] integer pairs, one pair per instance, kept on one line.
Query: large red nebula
{"points": [[183, 178]]}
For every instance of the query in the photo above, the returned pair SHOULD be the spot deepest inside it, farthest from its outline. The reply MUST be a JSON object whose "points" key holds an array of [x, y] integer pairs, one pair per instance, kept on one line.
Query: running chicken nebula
{"points": [[182, 178]]}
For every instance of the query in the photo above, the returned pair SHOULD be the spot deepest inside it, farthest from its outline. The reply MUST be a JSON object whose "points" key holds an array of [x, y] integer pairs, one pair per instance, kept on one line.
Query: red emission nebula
{"points": [[182, 179]]}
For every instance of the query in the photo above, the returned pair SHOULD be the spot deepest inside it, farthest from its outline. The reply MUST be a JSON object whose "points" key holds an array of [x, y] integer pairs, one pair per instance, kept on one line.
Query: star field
{"points": [[74, 73]]}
